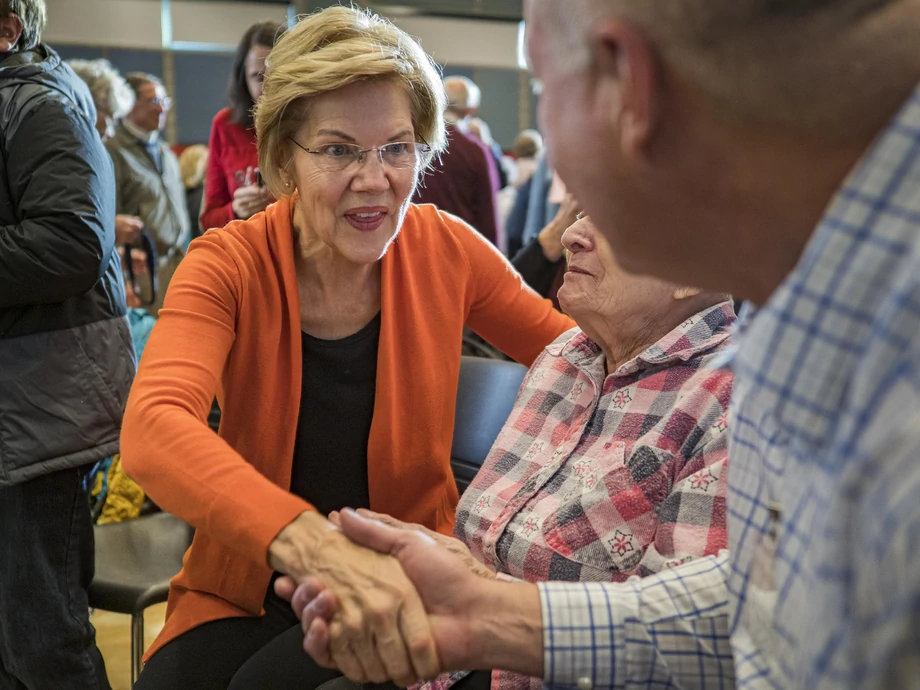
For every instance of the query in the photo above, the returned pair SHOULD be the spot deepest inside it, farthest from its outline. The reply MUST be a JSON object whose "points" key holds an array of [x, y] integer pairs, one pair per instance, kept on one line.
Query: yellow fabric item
{"points": [[124, 498]]}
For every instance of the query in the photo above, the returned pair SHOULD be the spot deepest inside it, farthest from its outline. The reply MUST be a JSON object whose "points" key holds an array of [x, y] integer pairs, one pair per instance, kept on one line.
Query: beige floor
{"points": [[113, 635]]}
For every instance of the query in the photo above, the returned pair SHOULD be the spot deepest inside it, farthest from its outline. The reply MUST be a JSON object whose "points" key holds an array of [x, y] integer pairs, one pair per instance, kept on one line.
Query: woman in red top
{"points": [[232, 187]]}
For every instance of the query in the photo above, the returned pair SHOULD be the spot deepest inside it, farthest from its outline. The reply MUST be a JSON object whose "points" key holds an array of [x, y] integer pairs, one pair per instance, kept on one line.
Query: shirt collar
{"points": [[699, 333], [142, 135]]}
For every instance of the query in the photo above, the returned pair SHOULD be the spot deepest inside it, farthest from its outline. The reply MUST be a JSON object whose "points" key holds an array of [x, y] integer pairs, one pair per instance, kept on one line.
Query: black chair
{"points": [[135, 560], [485, 395]]}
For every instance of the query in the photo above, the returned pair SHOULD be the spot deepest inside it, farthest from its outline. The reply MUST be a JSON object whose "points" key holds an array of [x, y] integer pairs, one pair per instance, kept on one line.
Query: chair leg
{"points": [[137, 645]]}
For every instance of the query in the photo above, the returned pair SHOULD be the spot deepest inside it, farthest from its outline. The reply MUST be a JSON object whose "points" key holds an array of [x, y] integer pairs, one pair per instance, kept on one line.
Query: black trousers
{"points": [[46, 565], [247, 654], [253, 653]]}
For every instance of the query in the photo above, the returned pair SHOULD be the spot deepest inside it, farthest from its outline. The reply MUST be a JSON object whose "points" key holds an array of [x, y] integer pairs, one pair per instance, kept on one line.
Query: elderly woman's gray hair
{"points": [[111, 93], [33, 16]]}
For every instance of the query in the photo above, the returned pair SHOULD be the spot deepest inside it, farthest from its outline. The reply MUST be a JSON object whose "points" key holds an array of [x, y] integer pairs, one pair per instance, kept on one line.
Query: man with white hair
{"points": [[464, 179], [770, 149]]}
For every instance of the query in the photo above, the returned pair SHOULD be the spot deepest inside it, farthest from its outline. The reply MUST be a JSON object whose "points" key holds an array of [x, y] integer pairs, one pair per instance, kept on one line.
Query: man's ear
{"points": [[623, 56]]}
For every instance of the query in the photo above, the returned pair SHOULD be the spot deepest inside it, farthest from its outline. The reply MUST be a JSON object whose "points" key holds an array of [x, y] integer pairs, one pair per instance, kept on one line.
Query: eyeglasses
{"points": [[399, 155], [165, 103]]}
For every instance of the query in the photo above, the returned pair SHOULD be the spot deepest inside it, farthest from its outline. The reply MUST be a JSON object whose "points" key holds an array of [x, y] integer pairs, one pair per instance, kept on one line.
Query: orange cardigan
{"points": [[231, 326]]}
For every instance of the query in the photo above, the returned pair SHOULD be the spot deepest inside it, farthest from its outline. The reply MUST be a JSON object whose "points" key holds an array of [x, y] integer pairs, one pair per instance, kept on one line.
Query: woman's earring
{"points": [[685, 292]]}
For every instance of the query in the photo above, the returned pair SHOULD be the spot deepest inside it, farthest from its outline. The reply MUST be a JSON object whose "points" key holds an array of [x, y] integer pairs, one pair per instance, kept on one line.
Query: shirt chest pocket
{"points": [[607, 511]]}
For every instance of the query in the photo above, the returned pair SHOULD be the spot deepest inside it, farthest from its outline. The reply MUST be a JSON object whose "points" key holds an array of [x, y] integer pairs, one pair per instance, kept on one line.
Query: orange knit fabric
{"points": [[231, 326]]}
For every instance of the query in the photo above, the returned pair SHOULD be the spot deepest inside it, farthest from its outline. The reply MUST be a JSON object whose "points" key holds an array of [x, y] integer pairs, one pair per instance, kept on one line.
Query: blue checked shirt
{"points": [[822, 585]]}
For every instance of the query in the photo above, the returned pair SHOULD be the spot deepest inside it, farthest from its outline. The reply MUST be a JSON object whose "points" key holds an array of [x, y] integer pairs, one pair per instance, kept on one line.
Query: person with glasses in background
{"points": [[233, 187], [147, 178], [330, 328]]}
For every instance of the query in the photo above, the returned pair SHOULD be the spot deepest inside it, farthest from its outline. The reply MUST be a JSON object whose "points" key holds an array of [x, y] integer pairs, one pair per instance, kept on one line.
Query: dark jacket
{"points": [[464, 181], [66, 359]]}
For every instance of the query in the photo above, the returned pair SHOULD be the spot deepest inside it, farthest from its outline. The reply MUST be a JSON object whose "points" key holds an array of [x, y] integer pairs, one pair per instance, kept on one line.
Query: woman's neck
{"points": [[337, 297]]}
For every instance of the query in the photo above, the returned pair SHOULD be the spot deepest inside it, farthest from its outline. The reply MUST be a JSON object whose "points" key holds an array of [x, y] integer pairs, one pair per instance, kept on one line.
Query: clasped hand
{"points": [[445, 575]]}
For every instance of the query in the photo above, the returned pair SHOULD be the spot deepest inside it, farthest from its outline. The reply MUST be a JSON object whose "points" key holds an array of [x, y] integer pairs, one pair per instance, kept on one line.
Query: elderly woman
{"points": [[330, 328], [613, 460], [113, 99]]}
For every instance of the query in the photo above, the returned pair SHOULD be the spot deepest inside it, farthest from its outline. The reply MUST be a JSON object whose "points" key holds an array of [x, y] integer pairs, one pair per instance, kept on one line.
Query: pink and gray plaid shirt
{"points": [[599, 478]]}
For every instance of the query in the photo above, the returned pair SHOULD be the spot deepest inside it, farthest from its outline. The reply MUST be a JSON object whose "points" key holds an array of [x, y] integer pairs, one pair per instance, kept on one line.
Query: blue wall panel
{"points": [[201, 88]]}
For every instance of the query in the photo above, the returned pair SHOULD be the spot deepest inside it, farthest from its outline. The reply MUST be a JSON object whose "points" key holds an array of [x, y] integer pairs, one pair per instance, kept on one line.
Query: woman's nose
{"points": [[578, 237]]}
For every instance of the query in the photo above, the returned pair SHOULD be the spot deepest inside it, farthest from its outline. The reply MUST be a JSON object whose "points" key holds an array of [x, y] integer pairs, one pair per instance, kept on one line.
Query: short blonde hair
{"points": [[193, 162], [109, 90], [331, 49]]}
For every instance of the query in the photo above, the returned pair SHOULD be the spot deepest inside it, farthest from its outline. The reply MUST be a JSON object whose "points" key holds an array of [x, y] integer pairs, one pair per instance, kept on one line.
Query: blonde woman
{"points": [[329, 326]]}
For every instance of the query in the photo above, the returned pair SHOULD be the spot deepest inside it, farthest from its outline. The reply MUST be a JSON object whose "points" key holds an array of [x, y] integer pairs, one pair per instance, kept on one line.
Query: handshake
{"points": [[382, 600]]}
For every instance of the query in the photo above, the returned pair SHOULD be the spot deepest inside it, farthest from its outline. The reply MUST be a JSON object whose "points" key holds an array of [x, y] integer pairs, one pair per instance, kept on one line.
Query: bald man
{"points": [[771, 149], [464, 179]]}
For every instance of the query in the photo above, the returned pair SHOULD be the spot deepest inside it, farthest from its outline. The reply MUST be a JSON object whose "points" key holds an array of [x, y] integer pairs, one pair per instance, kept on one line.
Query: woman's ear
{"points": [[685, 293]]}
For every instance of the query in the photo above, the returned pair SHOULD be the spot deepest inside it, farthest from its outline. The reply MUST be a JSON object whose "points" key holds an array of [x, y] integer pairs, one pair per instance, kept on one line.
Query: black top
{"points": [[336, 409]]}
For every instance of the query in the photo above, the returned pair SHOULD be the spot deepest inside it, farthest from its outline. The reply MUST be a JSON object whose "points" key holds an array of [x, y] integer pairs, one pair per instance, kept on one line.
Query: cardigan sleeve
{"points": [[218, 208], [502, 308], [166, 444]]}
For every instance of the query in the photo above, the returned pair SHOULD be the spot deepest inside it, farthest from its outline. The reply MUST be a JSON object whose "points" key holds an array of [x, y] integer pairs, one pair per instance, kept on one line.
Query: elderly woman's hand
{"points": [[550, 237], [455, 546], [382, 630]]}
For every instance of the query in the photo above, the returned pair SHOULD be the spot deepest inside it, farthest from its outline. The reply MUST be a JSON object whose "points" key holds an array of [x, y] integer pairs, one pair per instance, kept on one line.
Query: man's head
{"points": [[151, 103], [463, 97], [683, 124], [21, 24]]}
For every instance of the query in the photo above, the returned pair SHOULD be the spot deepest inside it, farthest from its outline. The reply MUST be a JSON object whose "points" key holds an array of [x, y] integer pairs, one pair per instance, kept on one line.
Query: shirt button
{"points": [[584, 683]]}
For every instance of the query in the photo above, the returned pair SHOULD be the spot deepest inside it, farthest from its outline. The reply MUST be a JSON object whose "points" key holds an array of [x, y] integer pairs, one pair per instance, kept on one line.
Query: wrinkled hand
{"points": [[455, 546], [449, 589], [381, 629], [250, 200], [550, 237], [128, 229]]}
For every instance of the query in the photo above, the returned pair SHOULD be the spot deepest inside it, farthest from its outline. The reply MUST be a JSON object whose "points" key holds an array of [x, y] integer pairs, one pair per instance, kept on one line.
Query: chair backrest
{"points": [[485, 395]]}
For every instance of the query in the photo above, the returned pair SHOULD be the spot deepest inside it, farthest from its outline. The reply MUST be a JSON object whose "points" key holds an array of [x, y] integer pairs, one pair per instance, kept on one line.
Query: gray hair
{"points": [[111, 93], [137, 79], [462, 93], [761, 60], [32, 14]]}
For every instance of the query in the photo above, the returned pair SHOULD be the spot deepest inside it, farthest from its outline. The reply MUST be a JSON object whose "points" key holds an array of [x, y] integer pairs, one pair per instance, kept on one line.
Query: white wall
{"points": [[469, 42], [136, 24], [219, 22], [121, 23]]}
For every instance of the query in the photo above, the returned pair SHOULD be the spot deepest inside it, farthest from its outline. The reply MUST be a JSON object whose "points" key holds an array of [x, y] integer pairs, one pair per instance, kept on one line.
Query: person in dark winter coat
{"points": [[66, 360]]}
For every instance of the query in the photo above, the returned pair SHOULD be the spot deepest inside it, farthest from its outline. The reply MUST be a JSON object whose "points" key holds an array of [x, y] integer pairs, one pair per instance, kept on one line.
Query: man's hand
{"points": [[250, 200], [128, 229], [475, 622], [455, 546]]}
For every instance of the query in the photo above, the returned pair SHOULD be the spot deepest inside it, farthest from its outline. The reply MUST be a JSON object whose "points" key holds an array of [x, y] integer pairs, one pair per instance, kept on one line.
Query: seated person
{"points": [[613, 460], [329, 326]]}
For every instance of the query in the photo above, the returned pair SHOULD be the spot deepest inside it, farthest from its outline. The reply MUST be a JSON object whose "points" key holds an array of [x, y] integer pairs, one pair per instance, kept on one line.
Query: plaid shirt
{"points": [[599, 478], [822, 587]]}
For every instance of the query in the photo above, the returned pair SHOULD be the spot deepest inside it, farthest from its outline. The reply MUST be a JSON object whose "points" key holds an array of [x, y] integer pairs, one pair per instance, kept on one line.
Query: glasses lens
{"points": [[401, 154]]}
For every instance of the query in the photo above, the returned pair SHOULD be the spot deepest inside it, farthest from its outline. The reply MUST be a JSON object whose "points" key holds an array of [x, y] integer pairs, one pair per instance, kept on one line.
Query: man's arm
{"points": [[671, 626], [62, 187]]}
